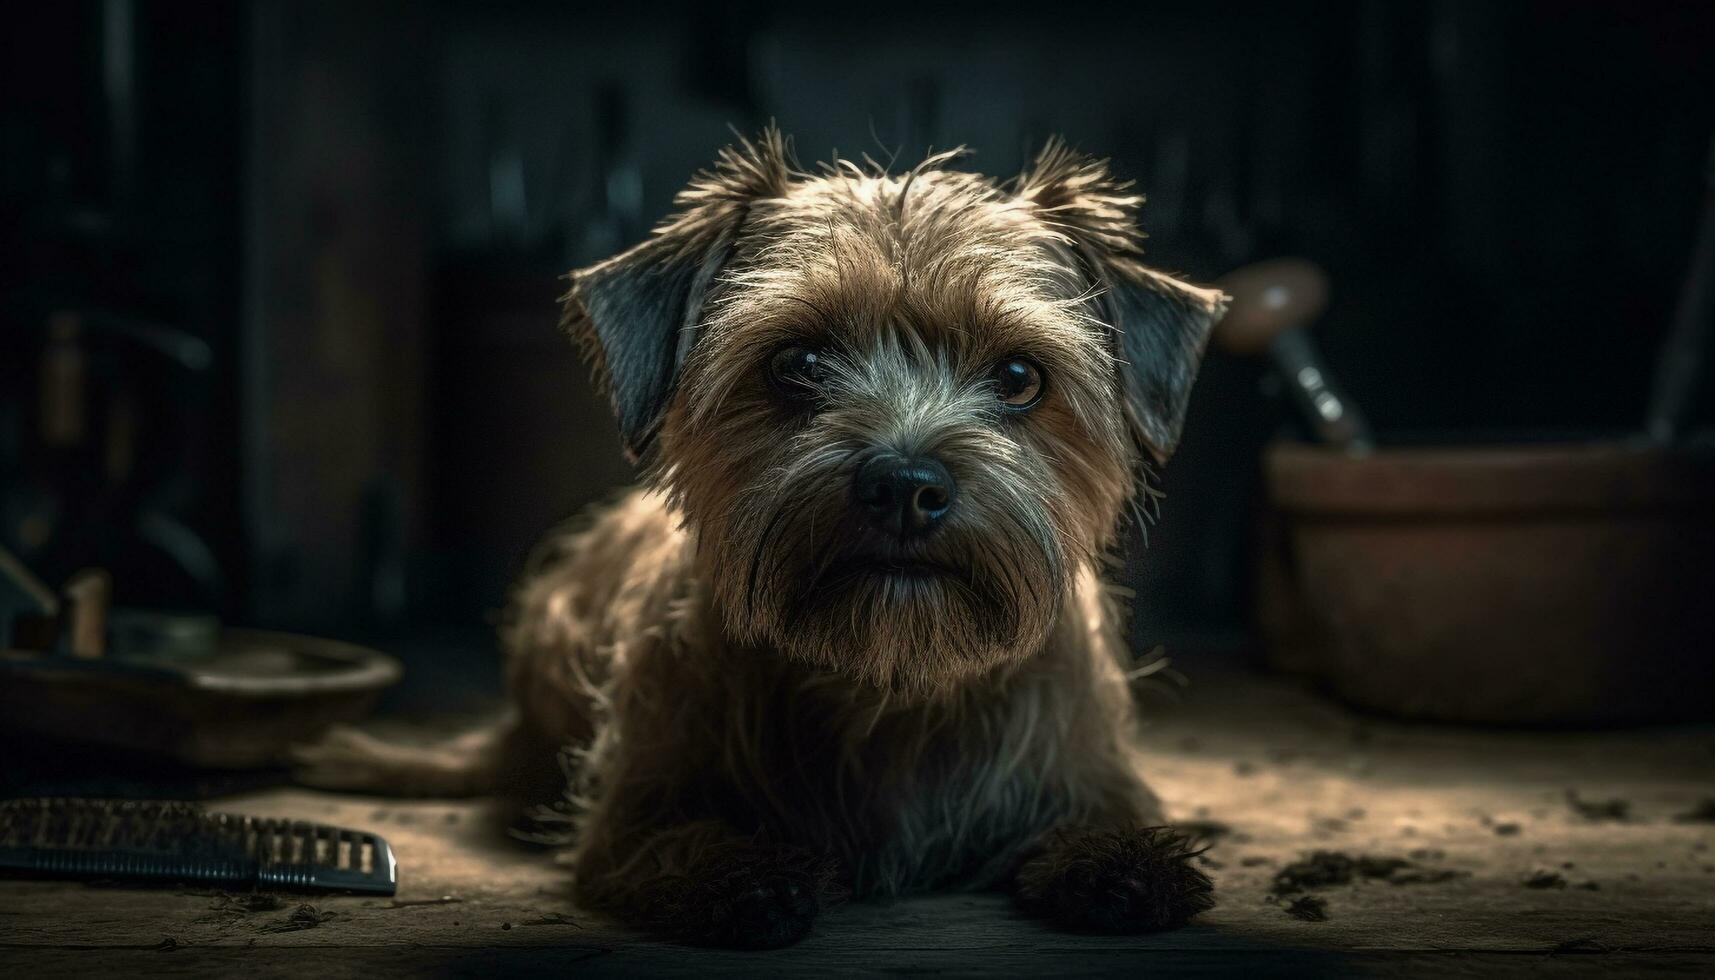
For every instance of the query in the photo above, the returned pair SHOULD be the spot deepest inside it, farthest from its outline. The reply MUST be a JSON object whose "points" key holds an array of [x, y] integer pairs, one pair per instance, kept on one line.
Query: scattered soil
{"points": [[1326, 869], [302, 917], [1423, 876], [228, 908], [1610, 809], [1544, 878], [1320, 870], [551, 919], [443, 900], [1507, 829], [245, 904], [1703, 812], [1203, 831]]}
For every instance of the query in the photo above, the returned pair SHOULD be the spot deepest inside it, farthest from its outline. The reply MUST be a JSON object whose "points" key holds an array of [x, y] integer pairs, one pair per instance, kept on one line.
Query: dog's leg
{"points": [[472, 764], [1114, 879], [703, 883]]}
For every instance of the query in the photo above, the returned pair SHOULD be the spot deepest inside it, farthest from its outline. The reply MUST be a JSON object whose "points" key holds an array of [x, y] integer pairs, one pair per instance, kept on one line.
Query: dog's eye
{"points": [[796, 372], [1018, 383]]}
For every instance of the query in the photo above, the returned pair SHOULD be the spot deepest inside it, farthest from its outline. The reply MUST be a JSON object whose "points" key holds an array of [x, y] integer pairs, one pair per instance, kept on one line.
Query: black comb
{"points": [[151, 840]]}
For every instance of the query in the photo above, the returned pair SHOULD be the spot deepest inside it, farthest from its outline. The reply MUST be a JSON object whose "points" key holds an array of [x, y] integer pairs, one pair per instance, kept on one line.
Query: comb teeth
{"points": [[299, 854], [180, 841]]}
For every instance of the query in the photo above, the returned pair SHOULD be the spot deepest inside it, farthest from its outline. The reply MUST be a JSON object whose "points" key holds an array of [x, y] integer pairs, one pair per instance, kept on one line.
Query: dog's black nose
{"points": [[904, 496]]}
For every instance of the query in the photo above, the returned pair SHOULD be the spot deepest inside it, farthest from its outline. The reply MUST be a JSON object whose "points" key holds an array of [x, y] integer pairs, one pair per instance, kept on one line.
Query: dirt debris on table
{"points": [[228, 908], [1326, 869], [305, 916], [551, 919], [1614, 808], [1203, 830], [1310, 908], [416, 902], [1544, 878], [1703, 812], [1424, 876], [1549, 878], [1329, 826]]}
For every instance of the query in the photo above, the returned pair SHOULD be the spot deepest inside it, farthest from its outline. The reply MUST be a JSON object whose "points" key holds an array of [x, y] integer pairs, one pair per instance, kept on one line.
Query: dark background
{"points": [[313, 247]]}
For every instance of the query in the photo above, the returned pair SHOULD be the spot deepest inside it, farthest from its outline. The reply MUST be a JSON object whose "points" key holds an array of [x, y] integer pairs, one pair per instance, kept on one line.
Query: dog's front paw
{"points": [[753, 898], [758, 910], [1116, 881]]}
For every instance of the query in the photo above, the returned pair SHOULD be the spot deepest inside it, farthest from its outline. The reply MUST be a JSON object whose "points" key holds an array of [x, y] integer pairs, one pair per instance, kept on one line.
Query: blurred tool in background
{"points": [[1273, 305], [106, 474], [1684, 358]]}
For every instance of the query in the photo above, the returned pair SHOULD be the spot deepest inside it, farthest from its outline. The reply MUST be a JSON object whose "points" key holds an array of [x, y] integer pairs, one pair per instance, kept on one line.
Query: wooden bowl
{"points": [[241, 708], [1514, 584]]}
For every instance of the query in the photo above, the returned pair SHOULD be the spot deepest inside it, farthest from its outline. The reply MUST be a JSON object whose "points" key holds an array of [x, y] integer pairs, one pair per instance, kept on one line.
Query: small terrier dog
{"points": [[851, 635]]}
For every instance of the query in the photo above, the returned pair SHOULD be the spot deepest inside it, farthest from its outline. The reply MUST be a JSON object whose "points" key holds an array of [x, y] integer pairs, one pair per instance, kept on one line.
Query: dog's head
{"points": [[899, 412]]}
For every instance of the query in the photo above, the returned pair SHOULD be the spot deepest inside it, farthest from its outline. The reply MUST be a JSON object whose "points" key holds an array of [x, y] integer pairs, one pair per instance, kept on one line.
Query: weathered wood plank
{"points": [[367, 962], [1282, 772]]}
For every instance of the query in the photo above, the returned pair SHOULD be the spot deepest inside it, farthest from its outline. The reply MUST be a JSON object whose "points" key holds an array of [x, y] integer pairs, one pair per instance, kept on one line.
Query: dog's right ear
{"points": [[1161, 324], [637, 315]]}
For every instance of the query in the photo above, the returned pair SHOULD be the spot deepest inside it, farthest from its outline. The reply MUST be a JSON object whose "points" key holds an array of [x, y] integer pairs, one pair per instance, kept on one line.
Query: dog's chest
{"points": [[914, 802]]}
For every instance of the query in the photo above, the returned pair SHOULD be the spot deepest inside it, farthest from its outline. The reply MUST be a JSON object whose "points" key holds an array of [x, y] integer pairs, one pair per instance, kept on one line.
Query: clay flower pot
{"points": [[1518, 584]]}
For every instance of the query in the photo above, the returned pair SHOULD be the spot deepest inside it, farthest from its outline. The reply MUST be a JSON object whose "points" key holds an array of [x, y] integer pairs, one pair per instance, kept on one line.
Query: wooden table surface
{"points": [[1283, 772]]}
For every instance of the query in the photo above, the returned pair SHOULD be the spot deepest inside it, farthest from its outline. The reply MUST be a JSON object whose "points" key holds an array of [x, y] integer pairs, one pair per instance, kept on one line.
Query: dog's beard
{"points": [[913, 618]]}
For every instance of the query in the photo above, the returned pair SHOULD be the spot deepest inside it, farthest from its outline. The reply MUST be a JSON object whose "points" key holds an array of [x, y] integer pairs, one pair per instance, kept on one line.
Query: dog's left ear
{"points": [[636, 315], [1162, 324]]}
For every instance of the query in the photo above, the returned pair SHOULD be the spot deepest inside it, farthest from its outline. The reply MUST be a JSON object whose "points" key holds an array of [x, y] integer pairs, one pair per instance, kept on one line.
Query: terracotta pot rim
{"points": [[1594, 479]]}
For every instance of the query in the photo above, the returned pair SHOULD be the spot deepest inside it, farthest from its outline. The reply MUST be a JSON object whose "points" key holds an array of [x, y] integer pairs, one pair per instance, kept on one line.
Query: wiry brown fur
{"points": [[755, 722]]}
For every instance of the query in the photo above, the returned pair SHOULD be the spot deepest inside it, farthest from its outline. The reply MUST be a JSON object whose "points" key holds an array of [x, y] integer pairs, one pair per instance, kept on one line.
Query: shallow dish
{"points": [[241, 708]]}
